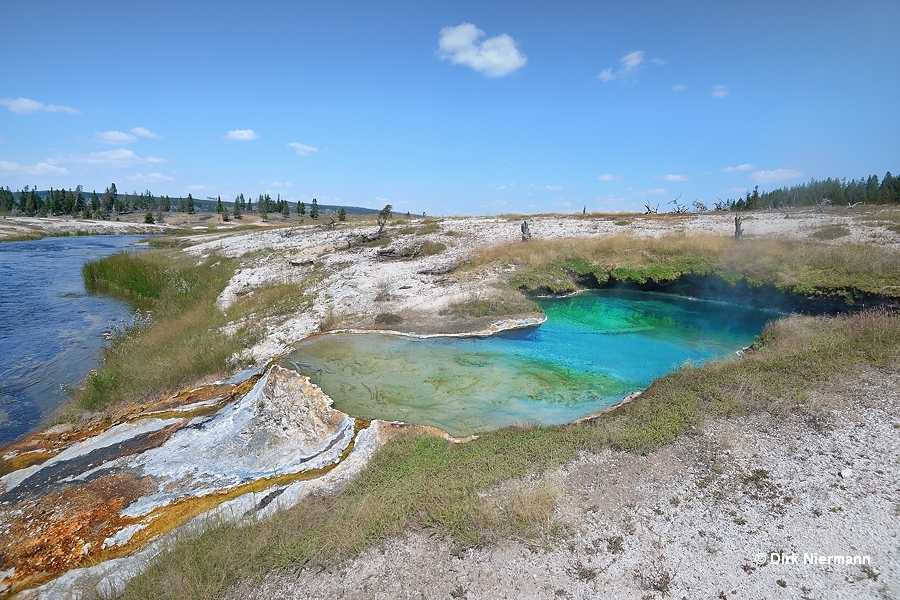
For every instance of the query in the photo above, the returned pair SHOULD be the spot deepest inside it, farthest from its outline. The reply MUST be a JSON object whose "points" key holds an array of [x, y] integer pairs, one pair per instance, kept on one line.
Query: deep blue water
{"points": [[51, 329], [594, 349]]}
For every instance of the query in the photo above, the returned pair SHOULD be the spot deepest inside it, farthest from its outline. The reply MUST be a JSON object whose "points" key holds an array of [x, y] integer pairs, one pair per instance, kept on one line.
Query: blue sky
{"points": [[448, 107]]}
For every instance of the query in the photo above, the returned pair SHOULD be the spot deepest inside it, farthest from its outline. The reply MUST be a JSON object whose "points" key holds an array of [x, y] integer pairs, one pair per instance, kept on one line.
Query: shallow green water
{"points": [[594, 349]]}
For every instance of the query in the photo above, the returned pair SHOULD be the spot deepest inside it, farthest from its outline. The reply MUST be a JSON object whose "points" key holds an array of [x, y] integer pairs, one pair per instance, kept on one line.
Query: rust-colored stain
{"points": [[50, 534], [41, 446], [50, 523]]}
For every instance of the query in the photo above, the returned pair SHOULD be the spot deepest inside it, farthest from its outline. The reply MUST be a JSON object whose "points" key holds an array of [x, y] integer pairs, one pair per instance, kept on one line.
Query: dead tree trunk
{"points": [[738, 230], [526, 232]]}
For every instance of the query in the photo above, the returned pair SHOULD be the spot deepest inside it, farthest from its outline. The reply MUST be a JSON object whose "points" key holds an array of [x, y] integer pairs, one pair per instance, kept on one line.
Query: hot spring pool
{"points": [[594, 349]]}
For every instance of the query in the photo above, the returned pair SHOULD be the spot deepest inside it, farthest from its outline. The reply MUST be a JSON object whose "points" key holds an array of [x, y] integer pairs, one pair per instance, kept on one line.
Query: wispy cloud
{"points": [[149, 178], [121, 157], [629, 65], [607, 177], [651, 192], [739, 168], [41, 168], [241, 135], [24, 106], [775, 176], [720, 91], [116, 138], [465, 44], [144, 133], [276, 183], [678, 87], [554, 188], [501, 186], [674, 177], [302, 149]]}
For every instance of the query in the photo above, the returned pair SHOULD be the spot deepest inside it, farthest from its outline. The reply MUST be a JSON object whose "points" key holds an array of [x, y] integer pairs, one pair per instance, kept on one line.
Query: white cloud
{"points": [[41, 168], [302, 149], [555, 188], [738, 168], [26, 105], [652, 192], [494, 57], [673, 177], [720, 91], [121, 157], [241, 135], [116, 138], [144, 133], [738, 191], [629, 65], [501, 186], [607, 177], [149, 178], [775, 176], [678, 87]]}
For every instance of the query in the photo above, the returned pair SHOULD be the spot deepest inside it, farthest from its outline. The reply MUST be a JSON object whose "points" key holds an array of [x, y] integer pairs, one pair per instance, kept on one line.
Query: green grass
{"points": [[805, 267], [474, 493], [830, 232], [186, 341], [495, 303], [425, 248]]}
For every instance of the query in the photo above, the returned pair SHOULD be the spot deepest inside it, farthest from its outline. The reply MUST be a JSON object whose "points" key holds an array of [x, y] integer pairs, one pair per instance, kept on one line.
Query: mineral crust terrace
{"points": [[102, 497]]}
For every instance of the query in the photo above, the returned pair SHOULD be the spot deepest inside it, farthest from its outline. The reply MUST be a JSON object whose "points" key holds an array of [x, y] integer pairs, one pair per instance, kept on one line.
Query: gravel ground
{"points": [[700, 518]]}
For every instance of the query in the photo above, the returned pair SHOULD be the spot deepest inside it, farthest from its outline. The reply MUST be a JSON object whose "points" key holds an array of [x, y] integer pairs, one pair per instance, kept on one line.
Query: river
{"points": [[51, 328]]}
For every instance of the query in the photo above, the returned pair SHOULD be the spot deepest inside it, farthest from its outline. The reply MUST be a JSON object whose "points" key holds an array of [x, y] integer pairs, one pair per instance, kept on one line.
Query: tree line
{"points": [[31, 202], [865, 190]]}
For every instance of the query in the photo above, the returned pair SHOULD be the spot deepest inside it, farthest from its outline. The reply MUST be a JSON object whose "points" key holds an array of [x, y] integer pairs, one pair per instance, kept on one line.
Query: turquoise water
{"points": [[594, 349]]}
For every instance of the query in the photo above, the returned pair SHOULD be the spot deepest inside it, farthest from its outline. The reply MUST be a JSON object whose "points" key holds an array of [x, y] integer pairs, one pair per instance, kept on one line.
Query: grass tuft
{"points": [[500, 485]]}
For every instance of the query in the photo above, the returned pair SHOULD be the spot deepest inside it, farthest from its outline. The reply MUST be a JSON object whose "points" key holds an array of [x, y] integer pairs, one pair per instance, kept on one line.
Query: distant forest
{"points": [[838, 191], [32, 202]]}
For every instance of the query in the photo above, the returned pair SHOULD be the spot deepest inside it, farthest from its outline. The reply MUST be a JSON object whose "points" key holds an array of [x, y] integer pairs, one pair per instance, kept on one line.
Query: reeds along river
{"points": [[51, 329], [594, 349]]}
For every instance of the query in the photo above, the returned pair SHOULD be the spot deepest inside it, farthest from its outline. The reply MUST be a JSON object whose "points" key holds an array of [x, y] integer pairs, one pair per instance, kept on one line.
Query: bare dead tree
{"points": [[738, 230], [650, 210], [820, 206], [526, 231], [679, 208]]}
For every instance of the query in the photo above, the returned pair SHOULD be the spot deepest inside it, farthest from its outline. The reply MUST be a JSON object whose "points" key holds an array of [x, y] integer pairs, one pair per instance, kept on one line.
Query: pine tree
{"points": [[219, 208], [189, 205], [314, 209], [237, 207], [301, 208], [342, 214]]}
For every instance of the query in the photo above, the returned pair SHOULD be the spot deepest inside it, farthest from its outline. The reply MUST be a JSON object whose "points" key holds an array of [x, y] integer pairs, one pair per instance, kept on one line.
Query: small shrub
{"points": [[429, 227], [830, 232], [426, 248], [389, 319]]}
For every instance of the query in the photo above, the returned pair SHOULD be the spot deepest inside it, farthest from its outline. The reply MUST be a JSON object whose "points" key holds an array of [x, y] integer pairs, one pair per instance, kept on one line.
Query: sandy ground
{"points": [[687, 521], [355, 284], [693, 518], [700, 518]]}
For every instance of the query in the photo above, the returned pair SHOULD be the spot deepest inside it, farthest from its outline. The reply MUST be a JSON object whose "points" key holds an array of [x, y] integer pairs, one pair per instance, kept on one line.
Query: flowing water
{"points": [[594, 349], [51, 329]]}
